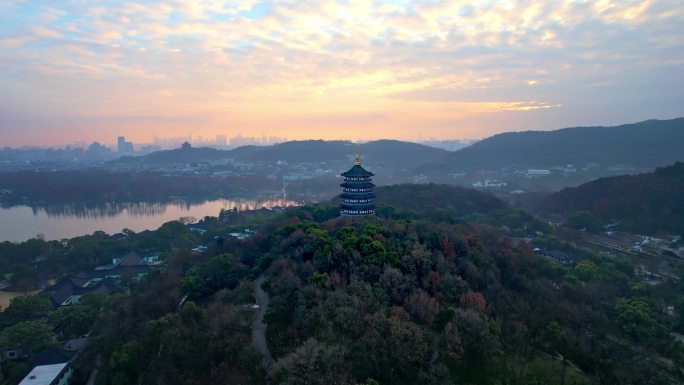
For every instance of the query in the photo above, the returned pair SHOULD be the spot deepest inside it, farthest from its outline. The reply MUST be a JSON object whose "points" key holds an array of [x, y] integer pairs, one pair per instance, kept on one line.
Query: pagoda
{"points": [[357, 195]]}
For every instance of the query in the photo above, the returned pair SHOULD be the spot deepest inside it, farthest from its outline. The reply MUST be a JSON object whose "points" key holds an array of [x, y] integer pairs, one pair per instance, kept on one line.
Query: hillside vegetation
{"points": [[646, 144], [647, 203], [389, 300], [380, 153], [431, 197]]}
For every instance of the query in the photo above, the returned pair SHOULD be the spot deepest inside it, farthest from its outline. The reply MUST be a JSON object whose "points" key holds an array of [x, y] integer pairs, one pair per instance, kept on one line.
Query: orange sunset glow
{"points": [[83, 71]]}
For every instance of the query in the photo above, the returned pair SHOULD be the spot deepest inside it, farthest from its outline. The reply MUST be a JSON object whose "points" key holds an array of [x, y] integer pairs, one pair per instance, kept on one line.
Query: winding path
{"points": [[259, 327]]}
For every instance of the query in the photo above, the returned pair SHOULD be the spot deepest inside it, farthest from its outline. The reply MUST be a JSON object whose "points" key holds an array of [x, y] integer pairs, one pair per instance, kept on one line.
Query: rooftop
{"points": [[357, 171], [43, 375]]}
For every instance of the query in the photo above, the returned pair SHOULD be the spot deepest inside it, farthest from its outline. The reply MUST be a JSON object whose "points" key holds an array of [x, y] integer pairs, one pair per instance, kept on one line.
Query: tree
{"points": [[126, 363], [14, 372], [587, 271], [679, 307], [25, 308], [374, 251], [474, 300], [369, 381], [319, 279], [634, 317], [422, 306], [313, 363], [73, 321], [222, 271], [194, 285], [480, 343], [452, 340], [29, 337], [585, 220], [24, 278], [389, 348]]}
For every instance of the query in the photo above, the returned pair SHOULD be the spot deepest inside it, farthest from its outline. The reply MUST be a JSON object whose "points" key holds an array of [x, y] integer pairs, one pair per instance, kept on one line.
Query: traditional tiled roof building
{"points": [[357, 195]]}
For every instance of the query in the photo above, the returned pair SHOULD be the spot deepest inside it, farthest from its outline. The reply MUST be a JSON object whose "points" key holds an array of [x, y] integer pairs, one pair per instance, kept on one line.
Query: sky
{"points": [[77, 70]]}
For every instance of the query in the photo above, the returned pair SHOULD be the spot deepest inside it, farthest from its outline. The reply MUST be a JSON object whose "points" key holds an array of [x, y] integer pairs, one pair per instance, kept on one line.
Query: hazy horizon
{"points": [[200, 141], [210, 142]]}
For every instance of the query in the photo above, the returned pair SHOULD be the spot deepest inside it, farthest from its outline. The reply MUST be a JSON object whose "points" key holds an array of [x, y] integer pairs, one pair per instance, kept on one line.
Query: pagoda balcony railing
{"points": [[357, 212], [358, 201]]}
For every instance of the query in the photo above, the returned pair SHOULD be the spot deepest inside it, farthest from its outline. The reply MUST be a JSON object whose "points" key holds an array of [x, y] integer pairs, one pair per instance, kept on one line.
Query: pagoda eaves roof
{"points": [[357, 171]]}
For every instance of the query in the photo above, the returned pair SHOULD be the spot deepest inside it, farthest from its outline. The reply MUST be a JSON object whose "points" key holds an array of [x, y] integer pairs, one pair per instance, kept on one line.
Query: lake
{"points": [[19, 223]]}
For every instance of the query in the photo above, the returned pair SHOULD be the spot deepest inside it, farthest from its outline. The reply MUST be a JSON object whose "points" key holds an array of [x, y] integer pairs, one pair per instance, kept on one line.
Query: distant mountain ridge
{"points": [[646, 144], [643, 145], [647, 203], [193, 154], [380, 152]]}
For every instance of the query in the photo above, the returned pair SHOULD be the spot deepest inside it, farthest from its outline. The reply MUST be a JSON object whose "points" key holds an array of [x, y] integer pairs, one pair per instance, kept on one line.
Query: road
{"points": [[259, 327]]}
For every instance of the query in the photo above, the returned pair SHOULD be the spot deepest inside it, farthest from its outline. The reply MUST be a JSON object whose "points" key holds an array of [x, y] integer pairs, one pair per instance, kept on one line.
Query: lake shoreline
{"points": [[55, 222], [9, 203]]}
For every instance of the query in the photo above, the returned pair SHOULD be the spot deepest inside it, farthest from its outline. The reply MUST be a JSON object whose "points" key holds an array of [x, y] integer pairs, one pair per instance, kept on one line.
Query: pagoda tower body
{"points": [[357, 195]]}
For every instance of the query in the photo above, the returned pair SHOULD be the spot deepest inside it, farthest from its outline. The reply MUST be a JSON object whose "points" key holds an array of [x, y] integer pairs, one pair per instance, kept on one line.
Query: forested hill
{"points": [[429, 198], [651, 143], [385, 300], [175, 156], [380, 153], [647, 203]]}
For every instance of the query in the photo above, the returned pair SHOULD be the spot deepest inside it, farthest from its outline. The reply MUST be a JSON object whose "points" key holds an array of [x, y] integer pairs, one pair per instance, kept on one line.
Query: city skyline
{"points": [[219, 141], [116, 142], [357, 71]]}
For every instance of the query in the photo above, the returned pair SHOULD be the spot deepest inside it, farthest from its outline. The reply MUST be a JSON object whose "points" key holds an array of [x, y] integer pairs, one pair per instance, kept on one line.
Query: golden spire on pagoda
{"points": [[357, 160]]}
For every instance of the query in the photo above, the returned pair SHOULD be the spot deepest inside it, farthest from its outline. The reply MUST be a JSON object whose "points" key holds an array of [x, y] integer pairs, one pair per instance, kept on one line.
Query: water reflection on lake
{"points": [[20, 223]]}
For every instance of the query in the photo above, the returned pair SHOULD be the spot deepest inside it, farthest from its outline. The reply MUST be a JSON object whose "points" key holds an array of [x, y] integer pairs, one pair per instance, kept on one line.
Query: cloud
{"points": [[362, 58]]}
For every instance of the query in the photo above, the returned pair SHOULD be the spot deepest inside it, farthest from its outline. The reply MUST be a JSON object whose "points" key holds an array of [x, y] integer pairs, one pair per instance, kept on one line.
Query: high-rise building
{"points": [[123, 147], [96, 151]]}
